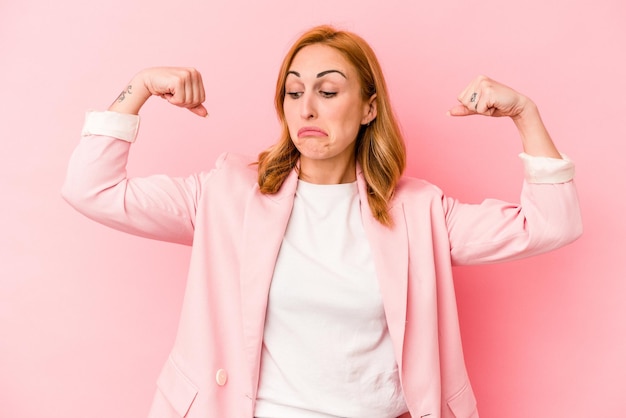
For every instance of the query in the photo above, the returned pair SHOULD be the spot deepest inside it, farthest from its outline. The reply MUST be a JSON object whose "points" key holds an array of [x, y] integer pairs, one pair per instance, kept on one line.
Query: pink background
{"points": [[87, 314]]}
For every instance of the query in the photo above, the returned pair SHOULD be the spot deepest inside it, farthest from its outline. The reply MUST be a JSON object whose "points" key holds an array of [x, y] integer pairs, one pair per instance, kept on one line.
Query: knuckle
{"points": [[182, 73], [176, 101]]}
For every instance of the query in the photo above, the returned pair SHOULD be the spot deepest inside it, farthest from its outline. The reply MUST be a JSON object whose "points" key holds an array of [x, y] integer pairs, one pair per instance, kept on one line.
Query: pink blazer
{"points": [[236, 232]]}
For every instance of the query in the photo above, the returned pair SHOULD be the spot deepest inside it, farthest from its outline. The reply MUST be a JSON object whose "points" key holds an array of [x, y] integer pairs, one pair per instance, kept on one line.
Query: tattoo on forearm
{"points": [[123, 94]]}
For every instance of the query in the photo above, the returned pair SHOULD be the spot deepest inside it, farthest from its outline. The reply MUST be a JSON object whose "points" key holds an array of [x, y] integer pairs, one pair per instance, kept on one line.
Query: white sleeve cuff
{"points": [[116, 125], [547, 170]]}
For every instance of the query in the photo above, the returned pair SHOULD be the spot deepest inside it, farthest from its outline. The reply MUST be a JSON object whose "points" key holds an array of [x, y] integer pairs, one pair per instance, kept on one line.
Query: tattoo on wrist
{"points": [[122, 96]]}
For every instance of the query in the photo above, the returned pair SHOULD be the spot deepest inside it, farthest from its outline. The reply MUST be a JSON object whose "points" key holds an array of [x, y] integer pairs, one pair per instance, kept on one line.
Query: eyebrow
{"points": [[319, 75]]}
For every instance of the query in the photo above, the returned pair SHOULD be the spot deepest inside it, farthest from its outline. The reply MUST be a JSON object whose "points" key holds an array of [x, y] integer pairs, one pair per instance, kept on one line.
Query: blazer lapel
{"points": [[264, 227], [266, 220], [390, 251]]}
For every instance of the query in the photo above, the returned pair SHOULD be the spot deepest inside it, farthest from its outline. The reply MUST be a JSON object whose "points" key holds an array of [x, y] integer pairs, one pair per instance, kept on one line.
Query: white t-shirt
{"points": [[326, 348]]}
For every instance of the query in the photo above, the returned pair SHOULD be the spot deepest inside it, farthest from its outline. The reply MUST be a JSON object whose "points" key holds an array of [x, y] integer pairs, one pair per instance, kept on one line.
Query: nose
{"points": [[308, 109]]}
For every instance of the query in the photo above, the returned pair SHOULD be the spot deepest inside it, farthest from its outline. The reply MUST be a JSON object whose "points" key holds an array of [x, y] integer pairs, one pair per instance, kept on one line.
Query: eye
{"points": [[328, 94], [294, 94]]}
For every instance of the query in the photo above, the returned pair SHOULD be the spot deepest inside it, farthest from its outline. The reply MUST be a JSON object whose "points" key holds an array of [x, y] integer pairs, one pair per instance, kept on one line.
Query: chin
{"points": [[316, 153]]}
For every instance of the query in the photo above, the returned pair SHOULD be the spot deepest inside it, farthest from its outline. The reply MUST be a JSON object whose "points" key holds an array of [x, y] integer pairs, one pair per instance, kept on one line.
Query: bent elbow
{"points": [[80, 201], [73, 195], [573, 225], [568, 231], [86, 200], [576, 229]]}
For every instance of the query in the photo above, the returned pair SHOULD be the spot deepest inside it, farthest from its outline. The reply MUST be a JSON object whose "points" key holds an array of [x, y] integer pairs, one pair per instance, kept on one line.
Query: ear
{"points": [[370, 110]]}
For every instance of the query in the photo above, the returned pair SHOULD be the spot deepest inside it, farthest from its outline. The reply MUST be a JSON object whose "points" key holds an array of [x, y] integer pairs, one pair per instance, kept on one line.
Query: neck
{"points": [[327, 172]]}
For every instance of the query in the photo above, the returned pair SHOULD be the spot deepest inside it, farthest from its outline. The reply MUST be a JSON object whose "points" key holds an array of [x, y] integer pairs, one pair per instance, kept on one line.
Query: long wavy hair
{"points": [[379, 148]]}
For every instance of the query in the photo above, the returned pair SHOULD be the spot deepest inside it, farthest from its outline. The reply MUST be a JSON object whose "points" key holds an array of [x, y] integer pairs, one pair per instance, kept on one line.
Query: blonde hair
{"points": [[379, 149]]}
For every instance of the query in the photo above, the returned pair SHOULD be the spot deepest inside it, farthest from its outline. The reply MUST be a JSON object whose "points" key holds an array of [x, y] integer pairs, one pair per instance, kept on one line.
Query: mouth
{"points": [[311, 131]]}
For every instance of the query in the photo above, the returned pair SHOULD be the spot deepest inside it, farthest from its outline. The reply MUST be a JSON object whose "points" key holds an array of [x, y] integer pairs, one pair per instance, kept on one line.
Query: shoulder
{"points": [[420, 198], [231, 173], [411, 188], [230, 160], [236, 165]]}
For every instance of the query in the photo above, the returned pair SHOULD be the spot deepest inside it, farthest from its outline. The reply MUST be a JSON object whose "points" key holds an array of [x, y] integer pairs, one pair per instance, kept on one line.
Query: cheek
{"points": [[289, 116], [349, 119]]}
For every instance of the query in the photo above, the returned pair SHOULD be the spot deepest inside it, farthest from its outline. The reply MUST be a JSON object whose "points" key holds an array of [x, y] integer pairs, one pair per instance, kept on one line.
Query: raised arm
{"points": [[548, 215], [97, 185]]}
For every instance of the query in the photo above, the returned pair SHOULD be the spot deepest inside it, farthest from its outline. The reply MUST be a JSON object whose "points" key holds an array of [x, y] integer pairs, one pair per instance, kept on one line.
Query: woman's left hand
{"points": [[484, 96]]}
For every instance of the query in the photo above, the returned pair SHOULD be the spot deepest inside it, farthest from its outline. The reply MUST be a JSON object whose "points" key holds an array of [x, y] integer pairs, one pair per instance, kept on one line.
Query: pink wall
{"points": [[87, 314]]}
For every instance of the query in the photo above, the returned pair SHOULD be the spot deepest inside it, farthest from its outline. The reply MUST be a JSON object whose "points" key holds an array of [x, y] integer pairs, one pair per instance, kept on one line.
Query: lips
{"points": [[311, 131]]}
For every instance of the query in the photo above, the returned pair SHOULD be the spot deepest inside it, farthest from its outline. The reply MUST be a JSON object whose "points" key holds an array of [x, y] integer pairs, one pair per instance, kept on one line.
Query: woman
{"points": [[320, 282]]}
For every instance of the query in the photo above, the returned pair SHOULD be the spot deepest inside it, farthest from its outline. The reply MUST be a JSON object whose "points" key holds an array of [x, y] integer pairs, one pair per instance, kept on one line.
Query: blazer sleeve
{"points": [[547, 217], [157, 207]]}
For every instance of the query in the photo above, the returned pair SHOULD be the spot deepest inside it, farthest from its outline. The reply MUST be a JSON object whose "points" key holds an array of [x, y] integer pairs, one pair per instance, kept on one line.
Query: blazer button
{"points": [[221, 377]]}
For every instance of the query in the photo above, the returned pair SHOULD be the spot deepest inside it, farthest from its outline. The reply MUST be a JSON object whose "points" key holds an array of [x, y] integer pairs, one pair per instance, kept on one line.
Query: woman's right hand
{"points": [[180, 86]]}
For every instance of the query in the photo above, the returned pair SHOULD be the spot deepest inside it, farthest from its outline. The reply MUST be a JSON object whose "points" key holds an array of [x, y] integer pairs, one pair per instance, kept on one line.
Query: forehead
{"points": [[313, 59]]}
